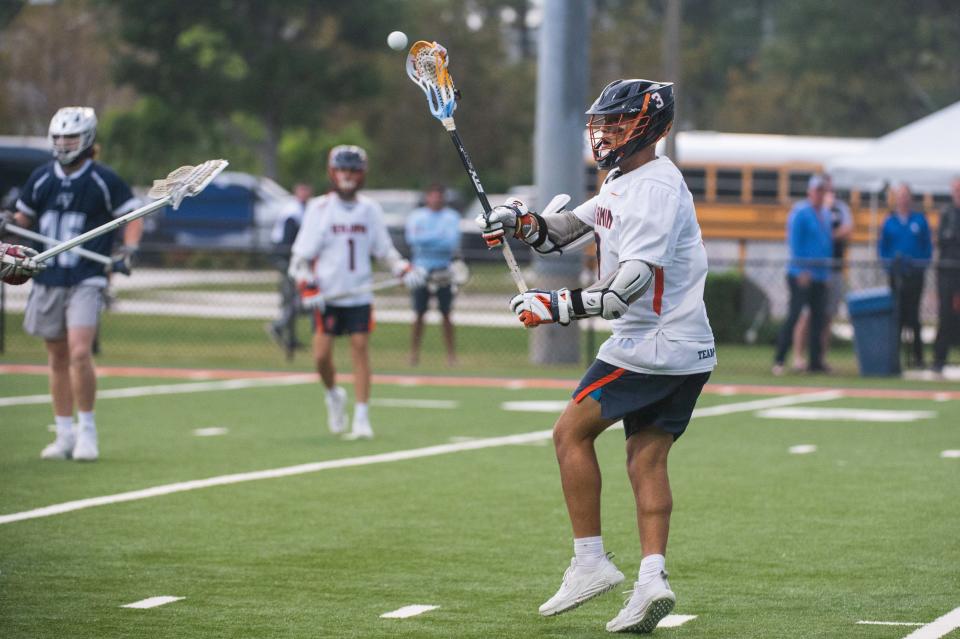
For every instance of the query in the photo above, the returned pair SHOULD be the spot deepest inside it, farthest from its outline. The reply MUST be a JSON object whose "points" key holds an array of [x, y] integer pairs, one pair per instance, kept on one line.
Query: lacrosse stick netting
{"points": [[186, 181], [427, 67]]}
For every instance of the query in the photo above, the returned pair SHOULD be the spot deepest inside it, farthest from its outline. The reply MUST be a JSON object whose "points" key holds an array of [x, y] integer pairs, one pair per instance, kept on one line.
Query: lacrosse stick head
{"points": [[427, 67], [186, 181]]}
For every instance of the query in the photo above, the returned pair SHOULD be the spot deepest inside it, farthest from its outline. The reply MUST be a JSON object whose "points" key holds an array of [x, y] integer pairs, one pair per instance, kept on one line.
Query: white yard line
{"points": [[174, 389], [889, 623], [802, 449], [950, 454], [408, 611], [366, 460], [938, 627], [415, 403], [211, 431], [672, 621], [858, 415], [152, 602]]}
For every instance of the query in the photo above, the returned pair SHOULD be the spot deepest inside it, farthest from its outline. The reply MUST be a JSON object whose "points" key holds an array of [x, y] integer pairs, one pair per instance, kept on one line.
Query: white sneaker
{"points": [[582, 583], [337, 410], [60, 448], [361, 429], [645, 607], [86, 448]]}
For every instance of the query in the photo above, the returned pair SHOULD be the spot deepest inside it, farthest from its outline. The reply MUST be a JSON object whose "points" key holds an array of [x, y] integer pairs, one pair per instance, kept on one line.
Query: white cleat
{"points": [[337, 410], [60, 448], [361, 430], [86, 448], [582, 583], [646, 606]]}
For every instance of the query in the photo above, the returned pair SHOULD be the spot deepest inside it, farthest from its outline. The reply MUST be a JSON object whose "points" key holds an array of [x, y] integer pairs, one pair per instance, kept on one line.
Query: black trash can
{"points": [[873, 315]]}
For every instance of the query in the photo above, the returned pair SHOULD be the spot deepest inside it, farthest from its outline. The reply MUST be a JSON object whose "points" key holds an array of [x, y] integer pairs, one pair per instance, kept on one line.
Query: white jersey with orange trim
{"points": [[340, 237], [648, 215]]}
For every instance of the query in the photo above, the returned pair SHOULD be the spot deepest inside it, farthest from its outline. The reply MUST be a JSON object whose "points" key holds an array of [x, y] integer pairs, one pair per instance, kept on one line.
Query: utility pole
{"points": [[670, 54], [559, 165]]}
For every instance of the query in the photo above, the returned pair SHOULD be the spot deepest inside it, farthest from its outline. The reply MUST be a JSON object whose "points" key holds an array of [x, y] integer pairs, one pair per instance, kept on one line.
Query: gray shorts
{"points": [[51, 310], [836, 289]]}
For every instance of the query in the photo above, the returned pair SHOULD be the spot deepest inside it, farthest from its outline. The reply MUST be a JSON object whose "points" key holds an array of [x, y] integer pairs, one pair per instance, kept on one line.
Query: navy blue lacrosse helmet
{"points": [[628, 116]]}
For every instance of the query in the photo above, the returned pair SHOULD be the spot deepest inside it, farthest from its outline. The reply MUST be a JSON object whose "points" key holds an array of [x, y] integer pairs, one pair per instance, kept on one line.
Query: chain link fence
{"points": [[207, 308]]}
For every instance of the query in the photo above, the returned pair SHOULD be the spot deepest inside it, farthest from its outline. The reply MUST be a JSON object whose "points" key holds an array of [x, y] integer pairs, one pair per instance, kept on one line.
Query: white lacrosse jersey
{"points": [[340, 237], [648, 214]]}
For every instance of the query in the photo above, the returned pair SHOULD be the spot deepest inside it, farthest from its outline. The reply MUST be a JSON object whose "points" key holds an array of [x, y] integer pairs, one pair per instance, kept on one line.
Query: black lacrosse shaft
{"points": [[471, 171]]}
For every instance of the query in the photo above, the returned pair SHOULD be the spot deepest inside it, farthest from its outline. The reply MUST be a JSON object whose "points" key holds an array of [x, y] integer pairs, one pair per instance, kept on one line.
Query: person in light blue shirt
{"points": [[433, 235], [810, 241], [905, 249]]}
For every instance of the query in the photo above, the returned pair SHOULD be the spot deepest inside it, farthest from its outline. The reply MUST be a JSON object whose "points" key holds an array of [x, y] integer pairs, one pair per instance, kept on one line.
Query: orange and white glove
{"points": [[536, 307], [511, 217]]}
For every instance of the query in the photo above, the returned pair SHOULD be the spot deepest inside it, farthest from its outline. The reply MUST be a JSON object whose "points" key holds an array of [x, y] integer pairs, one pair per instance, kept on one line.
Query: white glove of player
{"points": [[416, 277], [511, 217], [311, 299], [536, 307], [301, 272]]}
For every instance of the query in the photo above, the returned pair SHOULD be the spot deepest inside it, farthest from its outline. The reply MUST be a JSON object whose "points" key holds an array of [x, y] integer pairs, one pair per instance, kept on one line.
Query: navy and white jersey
{"points": [[64, 206]]}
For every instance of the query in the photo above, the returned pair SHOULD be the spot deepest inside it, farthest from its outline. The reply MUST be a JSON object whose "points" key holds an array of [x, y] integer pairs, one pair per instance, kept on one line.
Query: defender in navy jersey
{"points": [[650, 372], [63, 199]]}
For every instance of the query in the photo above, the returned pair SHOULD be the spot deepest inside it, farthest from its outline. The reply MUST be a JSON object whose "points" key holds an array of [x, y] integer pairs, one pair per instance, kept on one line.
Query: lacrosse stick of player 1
{"points": [[184, 182], [456, 275], [427, 67]]}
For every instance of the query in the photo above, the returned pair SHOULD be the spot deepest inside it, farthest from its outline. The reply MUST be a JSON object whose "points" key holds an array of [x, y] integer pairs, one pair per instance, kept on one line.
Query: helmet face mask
{"points": [[629, 116], [72, 132], [347, 169]]}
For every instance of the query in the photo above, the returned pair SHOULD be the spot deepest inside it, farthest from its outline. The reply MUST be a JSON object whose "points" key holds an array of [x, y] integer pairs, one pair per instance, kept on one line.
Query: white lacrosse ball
{"points": [[397, 40]]}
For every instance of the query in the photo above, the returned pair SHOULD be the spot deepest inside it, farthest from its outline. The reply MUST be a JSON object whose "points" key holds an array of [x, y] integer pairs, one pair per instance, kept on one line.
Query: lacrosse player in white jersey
{"points": [[331, 259], [652, 268]]}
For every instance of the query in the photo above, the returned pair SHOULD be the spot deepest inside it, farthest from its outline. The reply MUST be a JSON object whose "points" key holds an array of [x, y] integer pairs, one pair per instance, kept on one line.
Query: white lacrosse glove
{"points": [[416, 277], [301, 272], [512, 217], [17, 264], [536, 307], [311, 299]]}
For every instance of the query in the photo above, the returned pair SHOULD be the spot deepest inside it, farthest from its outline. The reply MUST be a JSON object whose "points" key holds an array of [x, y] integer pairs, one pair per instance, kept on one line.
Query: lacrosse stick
{"points": [[184, 182], [113, 267], [427, 67]]}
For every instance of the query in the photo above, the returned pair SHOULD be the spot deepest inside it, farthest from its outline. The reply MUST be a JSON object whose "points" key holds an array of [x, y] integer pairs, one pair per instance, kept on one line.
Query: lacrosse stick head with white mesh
{"points": [[186, 181], [427, 67]]}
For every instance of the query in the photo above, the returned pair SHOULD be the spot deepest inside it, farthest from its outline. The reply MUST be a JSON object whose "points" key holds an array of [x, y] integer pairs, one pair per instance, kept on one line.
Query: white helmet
{"points": [[72, 131]]}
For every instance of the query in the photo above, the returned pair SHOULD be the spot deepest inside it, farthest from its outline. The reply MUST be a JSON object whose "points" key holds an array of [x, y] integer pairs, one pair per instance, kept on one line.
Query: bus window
{"points": [[764, 186], [798, 184], [729, 184], [696, 179]]}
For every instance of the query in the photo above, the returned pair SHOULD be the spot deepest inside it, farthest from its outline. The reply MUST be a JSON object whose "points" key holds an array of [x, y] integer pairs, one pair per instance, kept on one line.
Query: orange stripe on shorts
{"points": [[603, 381]]}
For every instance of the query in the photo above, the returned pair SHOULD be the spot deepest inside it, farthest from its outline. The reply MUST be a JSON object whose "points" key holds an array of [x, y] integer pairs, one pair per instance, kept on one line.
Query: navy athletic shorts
{"points": [[344, 320], [641, 399], [421, 299]]}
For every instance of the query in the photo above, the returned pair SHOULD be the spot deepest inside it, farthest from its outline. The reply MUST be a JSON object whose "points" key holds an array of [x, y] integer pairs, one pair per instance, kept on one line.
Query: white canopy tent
{"points": [[924, 154]]}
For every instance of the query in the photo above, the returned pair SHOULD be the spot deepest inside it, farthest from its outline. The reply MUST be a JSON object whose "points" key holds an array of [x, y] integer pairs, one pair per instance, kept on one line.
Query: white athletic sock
{"points": [[86, 421], [330, 392], [651, 566], [588, 550], [360, 411], [64, 426]]}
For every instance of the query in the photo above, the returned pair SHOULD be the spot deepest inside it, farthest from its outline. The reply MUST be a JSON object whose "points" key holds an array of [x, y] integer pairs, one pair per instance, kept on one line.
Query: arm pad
{"points": [[558, 231], [611, 296]]}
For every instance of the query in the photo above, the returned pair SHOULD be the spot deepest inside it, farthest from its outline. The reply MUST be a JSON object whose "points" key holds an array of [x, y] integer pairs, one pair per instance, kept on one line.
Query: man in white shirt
{"points": [[652, 269], [331, 260]]}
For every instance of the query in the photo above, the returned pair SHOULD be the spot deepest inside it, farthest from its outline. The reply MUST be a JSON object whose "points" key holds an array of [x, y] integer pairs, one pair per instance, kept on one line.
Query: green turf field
{"points": [[764, 543]]}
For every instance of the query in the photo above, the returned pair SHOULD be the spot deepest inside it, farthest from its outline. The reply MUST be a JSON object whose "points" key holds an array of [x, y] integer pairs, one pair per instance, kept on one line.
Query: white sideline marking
{"points": [[408, 611], [415, 403], [544, 406], [174, 389], [51, 428], [890, 623], [349, 462], [212, 431], [672, 621], [802, 449], [938, 627], [152, 602], [950, 454], [847, 414]]}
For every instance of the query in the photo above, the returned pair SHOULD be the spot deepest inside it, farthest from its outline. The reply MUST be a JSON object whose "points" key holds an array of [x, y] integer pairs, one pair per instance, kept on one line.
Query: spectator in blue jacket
{"points": [[810, 242], [433, 235], [905, 250]]}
